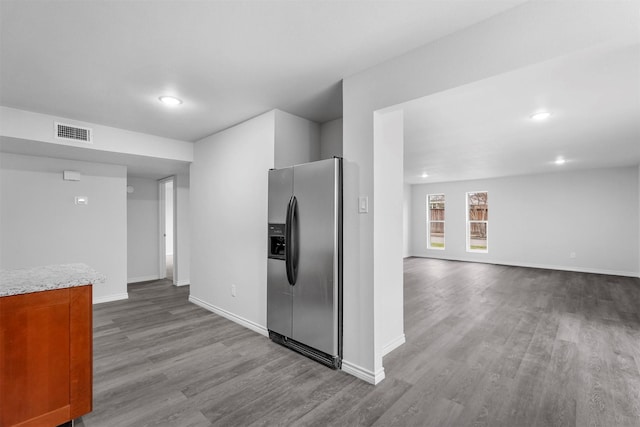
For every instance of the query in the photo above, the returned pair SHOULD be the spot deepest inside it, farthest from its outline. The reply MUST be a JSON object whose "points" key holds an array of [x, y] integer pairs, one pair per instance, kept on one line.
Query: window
{"points": [[477, 221], [435, 221]]}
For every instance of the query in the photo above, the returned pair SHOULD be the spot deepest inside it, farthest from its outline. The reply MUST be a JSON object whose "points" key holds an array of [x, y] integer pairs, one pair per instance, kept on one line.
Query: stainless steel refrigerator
{"points": [[304, 265]]}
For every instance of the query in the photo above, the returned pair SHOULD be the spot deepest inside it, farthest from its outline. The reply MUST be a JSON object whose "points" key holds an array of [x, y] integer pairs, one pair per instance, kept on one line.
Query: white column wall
{"points": [[406, 221], [388, 232], [182, 209]]}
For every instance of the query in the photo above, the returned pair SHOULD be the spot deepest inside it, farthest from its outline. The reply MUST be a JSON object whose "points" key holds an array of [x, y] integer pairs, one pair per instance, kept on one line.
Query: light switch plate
{"points": [[82, 200], [363, 204]]}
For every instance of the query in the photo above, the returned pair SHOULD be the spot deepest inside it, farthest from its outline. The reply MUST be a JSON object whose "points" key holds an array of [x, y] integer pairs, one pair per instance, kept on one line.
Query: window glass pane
{"points": [[435, 221], [477, 221], [436, 207], [436, 235], [478, 206], [478, 236]]}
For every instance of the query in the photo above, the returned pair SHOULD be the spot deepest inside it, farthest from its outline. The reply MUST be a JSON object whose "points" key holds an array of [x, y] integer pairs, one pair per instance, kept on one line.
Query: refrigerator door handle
{"points": [[295, 240], [291, 247]]}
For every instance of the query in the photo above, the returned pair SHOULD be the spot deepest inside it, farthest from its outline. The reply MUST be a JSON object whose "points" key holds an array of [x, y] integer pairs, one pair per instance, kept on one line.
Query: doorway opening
{"points": [[167, 247]]}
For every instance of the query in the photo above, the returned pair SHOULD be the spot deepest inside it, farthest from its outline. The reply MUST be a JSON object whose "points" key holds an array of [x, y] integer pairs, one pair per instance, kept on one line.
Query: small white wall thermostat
{"points": [[82, 200]]}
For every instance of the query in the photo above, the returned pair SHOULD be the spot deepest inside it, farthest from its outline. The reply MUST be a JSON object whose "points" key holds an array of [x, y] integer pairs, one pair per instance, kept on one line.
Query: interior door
{"points": [[315, 303]]}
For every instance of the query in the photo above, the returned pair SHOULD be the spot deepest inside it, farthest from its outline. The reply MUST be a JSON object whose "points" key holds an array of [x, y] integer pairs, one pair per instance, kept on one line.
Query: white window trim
{"points": [[468, 225], [429, 221]]}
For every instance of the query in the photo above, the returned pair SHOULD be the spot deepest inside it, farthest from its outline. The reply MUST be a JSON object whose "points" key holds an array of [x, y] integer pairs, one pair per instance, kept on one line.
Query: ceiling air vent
{"points": [[72, 133]]}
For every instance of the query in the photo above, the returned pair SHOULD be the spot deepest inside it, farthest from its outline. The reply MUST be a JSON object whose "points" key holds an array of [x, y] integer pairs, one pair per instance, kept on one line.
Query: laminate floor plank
{"points": [[412, 406], [464, 384], [485, 407], [558, 401], [330, 411], [595, 401], [299, 402], [244, 405], [374, 405], [486, 345]]}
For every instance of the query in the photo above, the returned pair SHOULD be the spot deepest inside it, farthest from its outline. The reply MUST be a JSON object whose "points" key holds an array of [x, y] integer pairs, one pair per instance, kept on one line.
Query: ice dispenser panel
{"points": [[277, 242]]}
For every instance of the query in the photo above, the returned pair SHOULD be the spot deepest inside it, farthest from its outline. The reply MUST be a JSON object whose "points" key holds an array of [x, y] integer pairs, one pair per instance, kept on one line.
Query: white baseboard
{"points": [[542, 266], [233, 317], [362, 373], [109, 298], [185, 282], [143, 278], [578, 269], [395, 343]]}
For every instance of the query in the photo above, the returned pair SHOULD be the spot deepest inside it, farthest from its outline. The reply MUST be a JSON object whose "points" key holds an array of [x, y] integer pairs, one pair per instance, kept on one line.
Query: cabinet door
{"points": [[80, 350], [34, 357], [46, 357]]}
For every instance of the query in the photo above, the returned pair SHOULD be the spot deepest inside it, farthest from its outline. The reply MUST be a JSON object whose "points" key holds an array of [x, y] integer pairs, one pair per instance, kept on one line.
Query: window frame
{"points": [[468, 223], [429, 221]]}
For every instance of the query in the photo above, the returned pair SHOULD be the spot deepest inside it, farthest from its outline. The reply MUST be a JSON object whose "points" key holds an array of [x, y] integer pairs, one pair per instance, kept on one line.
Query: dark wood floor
{"points": [[486, 345]]}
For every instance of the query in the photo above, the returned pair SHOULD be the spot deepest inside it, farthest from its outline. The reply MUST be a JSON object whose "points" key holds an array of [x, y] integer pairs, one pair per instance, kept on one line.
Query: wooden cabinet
{"points": [[46, 352]]}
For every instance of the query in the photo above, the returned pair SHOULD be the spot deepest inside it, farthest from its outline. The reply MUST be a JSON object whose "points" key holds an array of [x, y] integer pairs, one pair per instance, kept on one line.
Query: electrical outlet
{"points": [[233, 290], [572, 254]]}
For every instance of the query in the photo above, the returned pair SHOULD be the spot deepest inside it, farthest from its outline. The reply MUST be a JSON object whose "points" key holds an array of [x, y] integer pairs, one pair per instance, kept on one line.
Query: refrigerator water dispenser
{"points": [[277, 241]]}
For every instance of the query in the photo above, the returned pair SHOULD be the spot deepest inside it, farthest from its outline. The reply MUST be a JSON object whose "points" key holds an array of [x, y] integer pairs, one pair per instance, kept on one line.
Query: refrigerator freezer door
{"points": [[315, 303], [279, 293]]}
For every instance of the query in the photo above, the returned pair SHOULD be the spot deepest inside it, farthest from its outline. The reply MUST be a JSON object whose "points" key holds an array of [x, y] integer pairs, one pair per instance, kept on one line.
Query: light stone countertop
{"points": [[46, 278]]}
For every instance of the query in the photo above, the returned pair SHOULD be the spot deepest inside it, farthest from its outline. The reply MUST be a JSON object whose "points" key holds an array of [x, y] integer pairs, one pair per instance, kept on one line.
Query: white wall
{"points": [[229, 192], [331, 139], [406, 221], [39, 127], [40, 224], [297, 140], [533, 32], [142, 230], [182, 209], [168, 215], [388, 222], [538, 220]]}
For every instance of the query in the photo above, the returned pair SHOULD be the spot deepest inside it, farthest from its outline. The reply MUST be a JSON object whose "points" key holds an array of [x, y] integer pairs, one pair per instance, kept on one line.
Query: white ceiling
{"points": [[107, 62], [484, 130]]}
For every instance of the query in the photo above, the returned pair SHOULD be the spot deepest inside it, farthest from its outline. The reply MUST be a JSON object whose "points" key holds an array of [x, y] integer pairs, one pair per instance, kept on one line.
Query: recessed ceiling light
{"points": [[560, 161], [170, 100], [540, 116], [425, 175]]}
